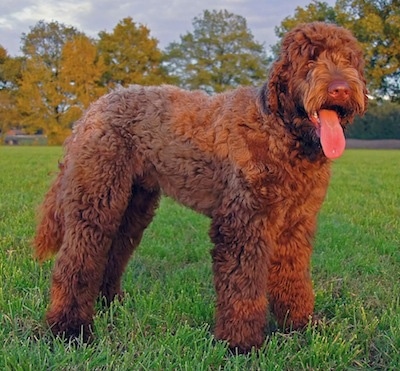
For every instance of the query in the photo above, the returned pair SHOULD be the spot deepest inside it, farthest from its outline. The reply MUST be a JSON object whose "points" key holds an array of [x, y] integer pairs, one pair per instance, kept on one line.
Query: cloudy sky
{"points": [[166, 19]]}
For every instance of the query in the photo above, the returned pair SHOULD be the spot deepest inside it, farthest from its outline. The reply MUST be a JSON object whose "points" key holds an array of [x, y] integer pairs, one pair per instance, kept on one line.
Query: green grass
{"points": [[166, 317]]}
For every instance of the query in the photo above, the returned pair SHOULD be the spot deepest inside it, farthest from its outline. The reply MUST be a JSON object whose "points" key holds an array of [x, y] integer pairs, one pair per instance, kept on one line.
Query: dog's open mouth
{"points": [[327, 122]]}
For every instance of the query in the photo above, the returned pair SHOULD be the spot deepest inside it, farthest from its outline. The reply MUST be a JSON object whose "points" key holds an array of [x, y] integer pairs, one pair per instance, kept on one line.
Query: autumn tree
{"points": [[131, 55], [81, 71], [41, 99], [10, 69], [376, 24], [220, 53], [46, 40]]}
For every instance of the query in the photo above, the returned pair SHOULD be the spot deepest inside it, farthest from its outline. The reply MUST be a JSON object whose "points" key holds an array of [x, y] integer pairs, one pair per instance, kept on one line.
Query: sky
{"points": [[166, 19]]}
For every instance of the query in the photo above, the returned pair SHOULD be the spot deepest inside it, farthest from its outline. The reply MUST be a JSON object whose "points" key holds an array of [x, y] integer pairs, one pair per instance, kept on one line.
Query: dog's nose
{"points": [[339, 90]]}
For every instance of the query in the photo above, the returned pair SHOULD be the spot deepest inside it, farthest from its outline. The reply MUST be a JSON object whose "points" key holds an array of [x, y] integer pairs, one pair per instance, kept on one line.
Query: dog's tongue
{"points": [[332, 136]]}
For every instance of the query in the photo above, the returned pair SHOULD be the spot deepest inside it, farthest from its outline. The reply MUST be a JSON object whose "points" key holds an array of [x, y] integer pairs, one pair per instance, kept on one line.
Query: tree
{"points": [[315, 11], [220, 53], [36, 98], [376, 24], [131, 56], [81, 71], [10, 70], [41, 100], [46, 40]]}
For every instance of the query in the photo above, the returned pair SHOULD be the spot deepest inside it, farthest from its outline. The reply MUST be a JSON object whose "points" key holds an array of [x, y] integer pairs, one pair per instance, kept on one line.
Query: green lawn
{"points": [[165, 320]]}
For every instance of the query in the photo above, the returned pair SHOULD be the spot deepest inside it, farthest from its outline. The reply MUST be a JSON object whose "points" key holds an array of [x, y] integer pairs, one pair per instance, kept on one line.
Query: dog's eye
{"points": [[314, 51], [352, 58]]}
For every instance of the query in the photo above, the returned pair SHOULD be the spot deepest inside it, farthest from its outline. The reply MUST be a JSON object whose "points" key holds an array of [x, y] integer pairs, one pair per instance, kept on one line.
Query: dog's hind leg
{"points": [[98, 186], [137, 217]]}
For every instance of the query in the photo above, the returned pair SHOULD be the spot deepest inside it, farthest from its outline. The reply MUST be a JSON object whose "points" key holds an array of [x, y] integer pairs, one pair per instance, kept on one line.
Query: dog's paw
{"points": [[72, 331]]}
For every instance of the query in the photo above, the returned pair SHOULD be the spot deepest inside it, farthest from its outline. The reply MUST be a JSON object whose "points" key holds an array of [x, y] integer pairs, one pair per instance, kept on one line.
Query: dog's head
{"points": [[317, 84]]}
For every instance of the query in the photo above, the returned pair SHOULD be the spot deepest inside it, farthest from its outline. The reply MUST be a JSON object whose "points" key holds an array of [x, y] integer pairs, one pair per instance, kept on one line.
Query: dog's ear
{"points": [[365, 91], [276, 86], [366, 101], [281, 71], [359, 63], [263, 98]]}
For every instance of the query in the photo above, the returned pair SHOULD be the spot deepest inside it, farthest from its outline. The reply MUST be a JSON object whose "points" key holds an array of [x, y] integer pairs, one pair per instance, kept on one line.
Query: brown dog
{"points": [[256, 161]]}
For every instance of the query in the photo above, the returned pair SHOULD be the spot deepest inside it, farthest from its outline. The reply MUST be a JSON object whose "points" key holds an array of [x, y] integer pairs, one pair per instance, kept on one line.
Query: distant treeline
{"points": [[62, 70], [382, 121]]}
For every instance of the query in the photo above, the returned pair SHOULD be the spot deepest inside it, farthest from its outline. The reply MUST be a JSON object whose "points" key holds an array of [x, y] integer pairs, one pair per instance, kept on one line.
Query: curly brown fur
{"points": [[250, 159]]}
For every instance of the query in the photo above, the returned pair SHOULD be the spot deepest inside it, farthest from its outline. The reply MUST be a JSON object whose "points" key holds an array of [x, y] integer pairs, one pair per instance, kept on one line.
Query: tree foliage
{"points": [[315, 11], [131, 55], [221, 53], [376, 24], [81, 71], [10, 70], [62, 71], [41, 101], [46, 40]]}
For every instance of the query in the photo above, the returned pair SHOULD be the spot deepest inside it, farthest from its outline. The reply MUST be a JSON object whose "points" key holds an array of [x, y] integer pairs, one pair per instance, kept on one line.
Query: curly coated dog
{"points": [[254, 160]]}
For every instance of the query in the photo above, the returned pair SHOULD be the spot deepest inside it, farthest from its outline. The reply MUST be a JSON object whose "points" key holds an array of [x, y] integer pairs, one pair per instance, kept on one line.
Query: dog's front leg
{"points": [[239, 265], [289, 285]]}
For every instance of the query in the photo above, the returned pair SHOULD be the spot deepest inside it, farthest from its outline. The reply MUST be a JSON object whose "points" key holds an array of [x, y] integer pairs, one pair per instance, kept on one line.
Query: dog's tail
{"points": [[50, 230]]}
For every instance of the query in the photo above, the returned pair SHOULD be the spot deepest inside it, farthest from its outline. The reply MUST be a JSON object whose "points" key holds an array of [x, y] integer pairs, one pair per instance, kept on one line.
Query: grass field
{"points": [[166, 318]]}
